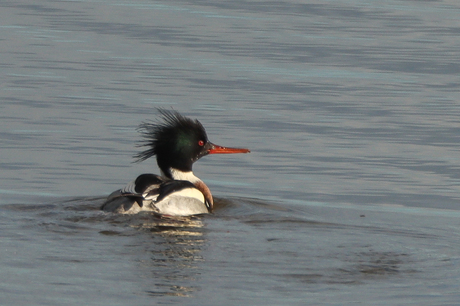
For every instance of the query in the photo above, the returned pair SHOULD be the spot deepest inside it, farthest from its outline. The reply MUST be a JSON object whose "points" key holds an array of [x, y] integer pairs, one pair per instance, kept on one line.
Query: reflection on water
{"points": [[176, 250], [173, 248]]}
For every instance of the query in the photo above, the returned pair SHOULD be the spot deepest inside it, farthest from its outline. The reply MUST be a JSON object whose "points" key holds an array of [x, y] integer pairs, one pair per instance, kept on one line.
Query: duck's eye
{"points": [[200, 143]]}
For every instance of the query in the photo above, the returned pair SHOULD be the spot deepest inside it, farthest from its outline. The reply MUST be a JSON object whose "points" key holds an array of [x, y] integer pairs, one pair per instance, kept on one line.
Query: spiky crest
{"points": [[174, 141]]}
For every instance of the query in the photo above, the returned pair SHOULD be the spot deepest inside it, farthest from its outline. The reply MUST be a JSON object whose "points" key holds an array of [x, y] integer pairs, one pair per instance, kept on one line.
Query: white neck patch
{"points": [[184, 176]]}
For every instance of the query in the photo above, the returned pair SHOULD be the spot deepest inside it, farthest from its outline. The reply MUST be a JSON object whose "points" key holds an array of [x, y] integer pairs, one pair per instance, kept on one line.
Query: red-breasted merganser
{"points": [[177, 143]]}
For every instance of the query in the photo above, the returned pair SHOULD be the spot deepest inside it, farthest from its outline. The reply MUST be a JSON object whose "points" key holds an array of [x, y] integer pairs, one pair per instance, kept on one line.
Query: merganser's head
{"points": [[177, 143]]}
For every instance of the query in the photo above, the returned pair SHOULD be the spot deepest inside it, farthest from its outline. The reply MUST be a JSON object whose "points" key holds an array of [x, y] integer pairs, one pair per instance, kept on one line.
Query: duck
{"points": [[177, 142]]}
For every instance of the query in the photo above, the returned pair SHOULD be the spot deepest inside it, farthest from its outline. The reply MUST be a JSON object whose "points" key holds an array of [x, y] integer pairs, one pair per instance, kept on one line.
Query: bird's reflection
{"points": [[175, 255]]}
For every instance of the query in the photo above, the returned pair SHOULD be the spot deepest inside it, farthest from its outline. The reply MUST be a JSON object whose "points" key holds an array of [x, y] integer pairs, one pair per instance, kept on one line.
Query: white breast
{"points": [[189, 201]]}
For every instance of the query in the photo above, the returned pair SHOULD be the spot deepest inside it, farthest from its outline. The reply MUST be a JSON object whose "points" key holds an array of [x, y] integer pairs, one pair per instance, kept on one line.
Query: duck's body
{"points": [[177, 144], [150, 192]]}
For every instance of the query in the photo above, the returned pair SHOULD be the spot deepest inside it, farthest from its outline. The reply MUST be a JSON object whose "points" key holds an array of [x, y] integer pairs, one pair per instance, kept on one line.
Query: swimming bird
{"points": [[177, 143]]}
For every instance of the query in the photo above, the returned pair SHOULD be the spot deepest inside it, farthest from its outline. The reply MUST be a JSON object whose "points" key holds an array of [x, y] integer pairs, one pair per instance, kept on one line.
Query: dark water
{"points": [[349, 195]]}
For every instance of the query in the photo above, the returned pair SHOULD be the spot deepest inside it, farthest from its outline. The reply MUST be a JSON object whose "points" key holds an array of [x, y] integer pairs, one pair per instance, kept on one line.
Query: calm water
{"points": [[350, 194]]}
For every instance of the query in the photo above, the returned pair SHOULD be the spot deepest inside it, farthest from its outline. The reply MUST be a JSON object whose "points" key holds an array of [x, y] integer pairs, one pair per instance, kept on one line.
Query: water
{"points": [[349, 195]]}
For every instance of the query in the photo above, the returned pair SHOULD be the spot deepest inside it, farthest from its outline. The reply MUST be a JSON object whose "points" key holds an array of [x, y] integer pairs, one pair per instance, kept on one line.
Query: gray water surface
{"points": [[349, 195]]}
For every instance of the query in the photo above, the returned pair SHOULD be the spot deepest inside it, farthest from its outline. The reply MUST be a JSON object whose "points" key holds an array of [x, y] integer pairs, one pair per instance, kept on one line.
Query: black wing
{"points": [[145, 183]]}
